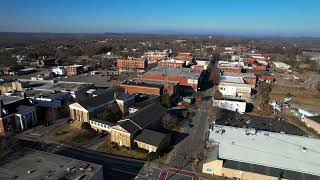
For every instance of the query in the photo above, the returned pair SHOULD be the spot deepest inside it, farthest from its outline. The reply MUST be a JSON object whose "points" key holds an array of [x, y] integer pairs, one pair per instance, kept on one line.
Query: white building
{"points": [[235, 90], [296, 156], [60, 70], [281, 65], [237, 106]]}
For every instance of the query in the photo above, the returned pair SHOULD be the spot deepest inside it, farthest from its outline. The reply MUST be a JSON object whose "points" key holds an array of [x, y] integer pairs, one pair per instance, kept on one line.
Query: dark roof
{"points": [[148, 114], [270, 171], [146, 102], [22, 109], [102, 99], [315, 118], [10, 99], [124, 96], [129, 126], [234, 119], [139, 83], [151, 137]]}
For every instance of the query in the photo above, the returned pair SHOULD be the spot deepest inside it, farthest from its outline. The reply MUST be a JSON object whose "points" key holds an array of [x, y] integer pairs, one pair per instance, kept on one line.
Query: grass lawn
{"points": [[68, 134], [110, 148], [302, 97]]}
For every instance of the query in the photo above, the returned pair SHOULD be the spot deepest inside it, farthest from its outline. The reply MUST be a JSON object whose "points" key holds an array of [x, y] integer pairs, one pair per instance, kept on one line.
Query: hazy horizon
{"points": [[284, 18]]}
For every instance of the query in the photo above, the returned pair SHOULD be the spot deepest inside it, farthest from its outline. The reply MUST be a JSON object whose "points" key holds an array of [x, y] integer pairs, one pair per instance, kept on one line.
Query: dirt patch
{"points": [[70, 135], [301, 97]]}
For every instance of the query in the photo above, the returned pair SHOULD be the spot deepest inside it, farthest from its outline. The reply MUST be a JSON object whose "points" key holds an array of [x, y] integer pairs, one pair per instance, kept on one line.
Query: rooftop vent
{"points": [[304, 149]]}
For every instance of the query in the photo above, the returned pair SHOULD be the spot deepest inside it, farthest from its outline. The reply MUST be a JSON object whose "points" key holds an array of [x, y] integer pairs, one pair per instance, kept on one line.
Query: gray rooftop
{"points": [[44, 165], [63, 86], [277, 150], [174, 72], [9, 99]]}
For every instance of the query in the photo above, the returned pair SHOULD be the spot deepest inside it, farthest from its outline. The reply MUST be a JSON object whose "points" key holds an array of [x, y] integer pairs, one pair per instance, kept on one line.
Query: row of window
{"points": [[99, 124]]}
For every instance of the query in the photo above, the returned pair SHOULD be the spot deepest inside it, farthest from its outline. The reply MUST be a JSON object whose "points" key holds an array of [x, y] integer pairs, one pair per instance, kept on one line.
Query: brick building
{"points": [[74, 69], [183, 76], [132, 64], [185, 56], [149, 117], [144, 88], [172, 63]]}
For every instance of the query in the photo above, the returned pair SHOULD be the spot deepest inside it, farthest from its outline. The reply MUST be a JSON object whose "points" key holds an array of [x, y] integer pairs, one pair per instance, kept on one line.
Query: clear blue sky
{"points": [[244, 17]]}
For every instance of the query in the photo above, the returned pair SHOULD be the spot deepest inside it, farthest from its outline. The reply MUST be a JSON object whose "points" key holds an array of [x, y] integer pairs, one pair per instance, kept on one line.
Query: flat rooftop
{"points": [[277, 150], [234, 119], [174, 72], [231, 79], [43, 165], [139, 83], [243, 75], [76, 65], [9, 99], [44, 94], [63, 86]]}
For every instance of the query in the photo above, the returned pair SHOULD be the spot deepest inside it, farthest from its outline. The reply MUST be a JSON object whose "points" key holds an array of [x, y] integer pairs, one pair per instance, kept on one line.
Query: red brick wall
{"points": [[251, 81], [260, 68], [231, 70], [198, 68], [182, 80], [127, 64], [132, 89], [170, 64]]}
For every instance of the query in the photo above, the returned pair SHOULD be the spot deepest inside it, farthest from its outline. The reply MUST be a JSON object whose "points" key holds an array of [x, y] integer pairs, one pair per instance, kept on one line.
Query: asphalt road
{"points": [[114, 167], [190, 148]]}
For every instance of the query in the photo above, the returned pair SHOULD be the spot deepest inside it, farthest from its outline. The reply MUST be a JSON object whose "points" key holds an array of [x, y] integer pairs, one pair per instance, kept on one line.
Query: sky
{"points": [[234, 17]]}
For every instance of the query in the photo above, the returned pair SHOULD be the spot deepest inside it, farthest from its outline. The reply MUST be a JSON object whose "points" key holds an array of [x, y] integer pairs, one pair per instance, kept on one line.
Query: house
{"points": [[152, 141], [127, 129], [244, 153], [83, 111], [312, 122], [16, 115]]}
